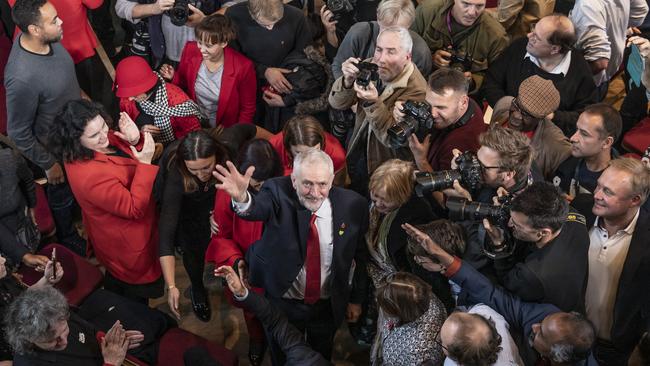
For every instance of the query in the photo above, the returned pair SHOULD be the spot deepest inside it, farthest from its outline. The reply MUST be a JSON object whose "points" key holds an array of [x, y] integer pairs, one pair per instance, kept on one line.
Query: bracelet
{"points": [[171, 287]]}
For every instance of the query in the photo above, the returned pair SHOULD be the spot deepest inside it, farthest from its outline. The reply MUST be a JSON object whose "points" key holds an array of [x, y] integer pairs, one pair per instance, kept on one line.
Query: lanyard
{"points": [[451, 36]]}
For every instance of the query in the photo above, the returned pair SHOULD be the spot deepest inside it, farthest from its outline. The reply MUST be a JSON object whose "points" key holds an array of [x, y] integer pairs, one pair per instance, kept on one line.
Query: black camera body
{"points": [[469, 175], [417, 120], [460, 61], [367, 72], [461, 209], [179, 12], [340, 7]]}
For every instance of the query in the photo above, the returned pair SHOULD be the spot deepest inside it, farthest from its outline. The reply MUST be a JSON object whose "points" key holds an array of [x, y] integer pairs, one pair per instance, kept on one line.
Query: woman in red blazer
{"points": [[221, 80], [228, 247], [111, 176]]}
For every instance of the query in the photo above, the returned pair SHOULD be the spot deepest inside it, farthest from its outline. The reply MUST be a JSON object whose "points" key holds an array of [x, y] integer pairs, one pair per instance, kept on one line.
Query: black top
{"points": [[577, 88], [268, 48], [9, 290]]}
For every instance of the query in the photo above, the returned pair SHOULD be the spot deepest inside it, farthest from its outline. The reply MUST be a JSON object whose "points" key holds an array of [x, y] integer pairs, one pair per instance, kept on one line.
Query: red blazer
{"points": [[119, 212], [238, 84], [180, 125], [332, 148], [235, 234]]}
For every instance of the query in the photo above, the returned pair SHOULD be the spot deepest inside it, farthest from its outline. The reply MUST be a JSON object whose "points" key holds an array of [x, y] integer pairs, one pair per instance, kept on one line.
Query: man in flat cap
{"points": [[530, 112]]}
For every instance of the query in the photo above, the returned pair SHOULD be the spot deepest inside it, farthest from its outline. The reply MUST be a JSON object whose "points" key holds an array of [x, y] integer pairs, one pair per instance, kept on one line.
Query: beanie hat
{"points": [[133, 76], [538, 96]]}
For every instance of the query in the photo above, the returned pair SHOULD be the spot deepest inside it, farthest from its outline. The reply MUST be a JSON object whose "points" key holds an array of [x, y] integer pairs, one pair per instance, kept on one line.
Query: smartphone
{"points": [[53, 259]]}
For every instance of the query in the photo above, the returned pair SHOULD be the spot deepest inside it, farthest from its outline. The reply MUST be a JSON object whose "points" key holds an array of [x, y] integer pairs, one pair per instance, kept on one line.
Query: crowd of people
{"points": [[443, 177]]}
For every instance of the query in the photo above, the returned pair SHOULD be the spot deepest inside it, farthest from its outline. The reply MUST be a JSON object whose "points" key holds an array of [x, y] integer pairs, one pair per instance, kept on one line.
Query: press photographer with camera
{"points": [[375, 85], [457, 122], [542, 255], [461, 35]]}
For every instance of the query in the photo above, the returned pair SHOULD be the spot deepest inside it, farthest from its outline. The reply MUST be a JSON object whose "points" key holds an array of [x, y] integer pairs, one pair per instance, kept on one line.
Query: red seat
{"points": [[44, 217], [174, 343], [637, 139], [80, 278]]}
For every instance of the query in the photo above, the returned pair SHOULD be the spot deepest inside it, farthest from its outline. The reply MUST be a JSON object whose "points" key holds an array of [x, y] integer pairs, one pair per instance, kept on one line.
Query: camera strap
{"points": [[371, 38], [462, 121]]}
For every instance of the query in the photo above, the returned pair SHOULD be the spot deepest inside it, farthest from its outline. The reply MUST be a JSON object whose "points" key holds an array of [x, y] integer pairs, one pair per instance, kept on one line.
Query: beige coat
{"points": [[516, 16]]}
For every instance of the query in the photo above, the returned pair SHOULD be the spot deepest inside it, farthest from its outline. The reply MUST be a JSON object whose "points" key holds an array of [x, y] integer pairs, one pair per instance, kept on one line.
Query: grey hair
{"points": [[405, 40], [32, 316], [577, 344], [312, 156], [389, 11]]}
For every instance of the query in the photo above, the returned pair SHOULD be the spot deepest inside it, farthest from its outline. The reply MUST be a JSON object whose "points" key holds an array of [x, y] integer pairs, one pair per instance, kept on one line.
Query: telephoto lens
{"points": [[469, 175]]}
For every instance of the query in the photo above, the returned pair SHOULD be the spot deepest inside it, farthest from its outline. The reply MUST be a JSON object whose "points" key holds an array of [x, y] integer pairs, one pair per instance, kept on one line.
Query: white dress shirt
{"points": [[606, 259], [560, 69]]}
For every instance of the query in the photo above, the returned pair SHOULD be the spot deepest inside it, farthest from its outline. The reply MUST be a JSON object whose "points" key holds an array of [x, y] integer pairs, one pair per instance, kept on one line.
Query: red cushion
{"points": [[80, 278], [43, 214], [174, 343], [637, 139]]}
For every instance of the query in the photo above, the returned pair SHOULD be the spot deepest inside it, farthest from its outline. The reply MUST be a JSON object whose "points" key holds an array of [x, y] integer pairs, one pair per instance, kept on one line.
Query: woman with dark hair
{"points": [[303, 133], [187, 198], [111, 176], [221, 80], [228, 247], [410, 323]]}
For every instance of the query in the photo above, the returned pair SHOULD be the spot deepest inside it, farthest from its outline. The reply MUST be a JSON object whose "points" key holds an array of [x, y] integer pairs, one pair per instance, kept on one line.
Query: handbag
{"points": [[27, 233]]}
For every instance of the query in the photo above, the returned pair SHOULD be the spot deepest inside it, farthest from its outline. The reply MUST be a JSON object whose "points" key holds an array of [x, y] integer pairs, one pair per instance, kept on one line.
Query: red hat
{"points": [[133, 76]]}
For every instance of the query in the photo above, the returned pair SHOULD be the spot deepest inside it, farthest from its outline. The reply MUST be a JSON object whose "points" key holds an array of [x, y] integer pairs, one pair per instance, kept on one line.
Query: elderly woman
{"points": [[411, 321], [393, 204], [111, 176], [221, 80]]}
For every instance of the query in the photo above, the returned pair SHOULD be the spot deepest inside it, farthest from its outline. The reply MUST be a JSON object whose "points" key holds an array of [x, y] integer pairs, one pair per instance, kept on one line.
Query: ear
{"points": [[33, 29], [508, 175], [608, 142], [636, 200], [463, 101], [546, 232]]}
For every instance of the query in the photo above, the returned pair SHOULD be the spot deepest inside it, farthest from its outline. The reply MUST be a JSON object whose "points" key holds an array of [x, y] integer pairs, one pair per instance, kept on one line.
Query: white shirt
{"points": [[326, 241], [509, 354], [606, 259], [560, 69]]}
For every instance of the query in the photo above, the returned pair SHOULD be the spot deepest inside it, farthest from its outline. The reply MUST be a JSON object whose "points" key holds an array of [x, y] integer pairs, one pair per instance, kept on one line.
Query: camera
{"points": [[141, 41], [460, 61], [469, 174], [340, 7], [417, 119], [461, 209], [367, 72], [179, 12]]}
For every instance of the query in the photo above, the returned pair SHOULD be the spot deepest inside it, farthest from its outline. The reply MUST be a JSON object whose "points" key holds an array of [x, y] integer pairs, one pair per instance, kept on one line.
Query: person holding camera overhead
{"points": [[461, 35], [374, 85], [456, 122]]}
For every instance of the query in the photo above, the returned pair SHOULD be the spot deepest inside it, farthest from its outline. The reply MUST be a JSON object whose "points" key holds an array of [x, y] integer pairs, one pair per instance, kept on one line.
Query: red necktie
{"points": [[312, 264]]}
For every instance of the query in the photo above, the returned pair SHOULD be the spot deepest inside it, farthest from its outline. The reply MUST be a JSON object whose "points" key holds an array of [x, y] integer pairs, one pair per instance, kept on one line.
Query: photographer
{"points": [[375, 93], [548, 244], [461, 35], [457, 121]]}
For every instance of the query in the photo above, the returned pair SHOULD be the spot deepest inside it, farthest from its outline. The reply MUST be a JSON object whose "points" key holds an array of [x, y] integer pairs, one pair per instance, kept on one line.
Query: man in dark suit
{"points": [[544, 334], [312, 251], [618, 289]]}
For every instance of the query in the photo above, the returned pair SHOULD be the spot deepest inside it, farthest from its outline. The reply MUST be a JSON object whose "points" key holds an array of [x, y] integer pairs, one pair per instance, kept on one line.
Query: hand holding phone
{"points": [[53, 259]]}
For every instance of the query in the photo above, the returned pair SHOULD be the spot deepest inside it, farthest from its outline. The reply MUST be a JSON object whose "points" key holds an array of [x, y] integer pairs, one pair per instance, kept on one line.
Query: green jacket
{"points": [[484, 40]]}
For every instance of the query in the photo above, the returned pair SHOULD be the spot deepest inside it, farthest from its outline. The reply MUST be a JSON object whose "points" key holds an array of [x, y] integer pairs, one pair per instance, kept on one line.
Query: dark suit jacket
{"points": [[276, 258], [519, 314]]}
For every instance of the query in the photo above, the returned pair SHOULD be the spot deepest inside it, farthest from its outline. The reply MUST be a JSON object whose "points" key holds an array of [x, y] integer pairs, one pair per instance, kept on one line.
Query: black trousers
{"points": [[194, 241], [315, 321], [64, 211]]}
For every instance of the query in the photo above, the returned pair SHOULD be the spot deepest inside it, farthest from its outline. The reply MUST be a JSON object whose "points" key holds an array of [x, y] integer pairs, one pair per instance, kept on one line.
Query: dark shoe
{"points": [[201, 307], [256, 352]]}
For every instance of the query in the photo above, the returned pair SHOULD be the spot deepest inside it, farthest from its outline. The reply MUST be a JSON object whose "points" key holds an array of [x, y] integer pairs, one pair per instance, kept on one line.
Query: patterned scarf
{"points": [[161, 111]]}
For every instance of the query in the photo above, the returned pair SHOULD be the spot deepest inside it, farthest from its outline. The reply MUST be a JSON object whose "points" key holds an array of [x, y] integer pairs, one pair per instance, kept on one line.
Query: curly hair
{"points": [[470, 347], [33, 316], [65, 133], [543, 204]]}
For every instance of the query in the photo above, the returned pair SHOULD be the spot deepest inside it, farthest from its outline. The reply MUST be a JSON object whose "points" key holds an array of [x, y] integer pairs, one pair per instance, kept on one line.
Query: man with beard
{"points": [[530, 112], [398, 79], [457, 121], [548, 242], [311, 258], [39, 80]]}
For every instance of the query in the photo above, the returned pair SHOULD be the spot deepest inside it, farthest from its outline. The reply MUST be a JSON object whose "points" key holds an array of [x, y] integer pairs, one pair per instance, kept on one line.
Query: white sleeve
{"points": [[124, 10]]}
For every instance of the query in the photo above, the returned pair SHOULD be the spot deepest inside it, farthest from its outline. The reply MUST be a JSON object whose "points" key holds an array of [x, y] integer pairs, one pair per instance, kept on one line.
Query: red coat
{"points": [[180, 125], [238, 84], [332, 148], [119, 212], [78, 37], [235, 234]]}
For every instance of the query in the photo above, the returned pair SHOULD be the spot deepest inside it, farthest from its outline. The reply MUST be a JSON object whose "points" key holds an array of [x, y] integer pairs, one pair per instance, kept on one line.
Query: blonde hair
{"points": [[395, 178], [271, 10], [639, 173], [390, 11], [515, 153]]}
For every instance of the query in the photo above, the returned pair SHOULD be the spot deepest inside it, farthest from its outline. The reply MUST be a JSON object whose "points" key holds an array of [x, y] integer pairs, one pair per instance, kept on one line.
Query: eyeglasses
{"points": [[439, 341], [486, 167], [514, 106]]}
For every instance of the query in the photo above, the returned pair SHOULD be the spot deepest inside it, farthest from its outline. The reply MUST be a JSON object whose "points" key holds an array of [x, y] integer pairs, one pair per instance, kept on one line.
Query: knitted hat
{"points": [[133, 76], [538, 97]]}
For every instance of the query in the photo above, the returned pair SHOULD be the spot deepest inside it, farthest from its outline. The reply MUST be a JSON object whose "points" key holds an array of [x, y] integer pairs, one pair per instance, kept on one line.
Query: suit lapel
{"points": [[227, 83], [637, 251], [303, 216], [338, 228]]}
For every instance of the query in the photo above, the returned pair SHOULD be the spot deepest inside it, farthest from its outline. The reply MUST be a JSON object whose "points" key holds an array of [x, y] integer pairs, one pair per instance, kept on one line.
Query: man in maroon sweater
{"points": [[458, 121]]}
